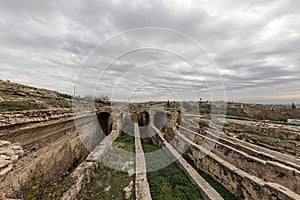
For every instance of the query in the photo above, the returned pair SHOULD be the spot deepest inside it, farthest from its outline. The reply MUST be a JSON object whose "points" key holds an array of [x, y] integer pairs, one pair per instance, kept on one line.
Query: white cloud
{"points": [[254, 43]]}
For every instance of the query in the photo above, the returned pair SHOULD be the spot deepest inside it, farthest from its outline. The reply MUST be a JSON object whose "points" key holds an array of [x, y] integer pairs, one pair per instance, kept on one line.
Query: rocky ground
{"points": [[9, 154], [14, 96]]}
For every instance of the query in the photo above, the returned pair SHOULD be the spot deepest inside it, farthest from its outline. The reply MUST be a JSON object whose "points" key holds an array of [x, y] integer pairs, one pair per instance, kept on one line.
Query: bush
{"points": [[67, 96]]}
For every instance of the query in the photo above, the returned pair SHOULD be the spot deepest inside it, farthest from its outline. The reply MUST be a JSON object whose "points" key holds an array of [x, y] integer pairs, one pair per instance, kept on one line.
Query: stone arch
{"points": [[143, 119], [105, 121]]}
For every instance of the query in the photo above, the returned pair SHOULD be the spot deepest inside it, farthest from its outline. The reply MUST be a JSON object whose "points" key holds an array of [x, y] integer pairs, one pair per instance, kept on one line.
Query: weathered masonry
{"points": [[243, 158]]}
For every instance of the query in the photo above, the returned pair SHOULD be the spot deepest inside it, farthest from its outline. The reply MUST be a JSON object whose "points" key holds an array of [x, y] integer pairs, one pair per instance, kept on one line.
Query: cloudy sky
{"points": [[246, 51]]}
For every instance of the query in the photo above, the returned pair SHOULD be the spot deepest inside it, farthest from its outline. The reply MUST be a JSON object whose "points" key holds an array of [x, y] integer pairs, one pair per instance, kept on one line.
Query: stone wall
{"points": [[56, 157], [266, 129], [286, 146], [32, 116], [239, 182], [50, 147], [283, 138], [9, 155], [207, 191], [268, 170], [83, 173]]}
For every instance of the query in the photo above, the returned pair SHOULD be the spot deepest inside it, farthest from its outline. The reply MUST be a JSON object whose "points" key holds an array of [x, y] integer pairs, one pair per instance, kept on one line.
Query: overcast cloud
{"points": [[255, 45]]}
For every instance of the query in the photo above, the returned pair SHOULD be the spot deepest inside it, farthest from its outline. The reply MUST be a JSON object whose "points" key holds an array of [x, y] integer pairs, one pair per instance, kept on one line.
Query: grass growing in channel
{"points": [[125, 142], [108, 183], [226, 194], [169, 182]]}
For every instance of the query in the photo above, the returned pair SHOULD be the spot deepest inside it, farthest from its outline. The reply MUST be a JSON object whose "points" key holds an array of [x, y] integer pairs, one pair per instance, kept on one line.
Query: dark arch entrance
{"points": [[105, 121], [144, 121], [143, 118]]}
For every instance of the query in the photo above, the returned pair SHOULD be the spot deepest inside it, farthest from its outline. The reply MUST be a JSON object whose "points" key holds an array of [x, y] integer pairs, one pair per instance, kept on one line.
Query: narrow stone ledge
{"points": [[207, 191], [83, 173], [251, 187], [142, 190]]}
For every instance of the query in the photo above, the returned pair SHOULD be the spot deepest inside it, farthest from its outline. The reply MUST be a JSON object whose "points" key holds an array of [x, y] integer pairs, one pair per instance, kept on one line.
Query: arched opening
{"points": [[144, 121], [178, 120], [105, 121], [143, 118], [159, 119]]}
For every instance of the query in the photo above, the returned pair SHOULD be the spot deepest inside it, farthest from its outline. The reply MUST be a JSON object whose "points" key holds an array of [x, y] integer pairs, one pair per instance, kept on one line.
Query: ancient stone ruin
{"points": [[252, 158]]}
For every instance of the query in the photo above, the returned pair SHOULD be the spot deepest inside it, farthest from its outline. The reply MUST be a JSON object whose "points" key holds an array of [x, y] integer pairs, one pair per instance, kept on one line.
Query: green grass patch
{"points": [[150, 148], [226, 194], [107, 183], [19, 105], [125, 142], [169, 182]]}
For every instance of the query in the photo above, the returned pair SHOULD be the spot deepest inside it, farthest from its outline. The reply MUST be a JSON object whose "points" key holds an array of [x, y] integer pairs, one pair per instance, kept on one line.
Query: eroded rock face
{"points": [[9, 154], [32, 116], [11, 88]]}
